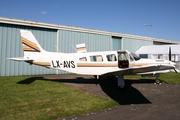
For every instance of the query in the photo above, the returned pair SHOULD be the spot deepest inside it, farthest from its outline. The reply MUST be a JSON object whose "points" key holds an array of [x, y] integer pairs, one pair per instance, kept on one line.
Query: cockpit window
{"points": [[131, 58], [135, 56], [122, 56]]}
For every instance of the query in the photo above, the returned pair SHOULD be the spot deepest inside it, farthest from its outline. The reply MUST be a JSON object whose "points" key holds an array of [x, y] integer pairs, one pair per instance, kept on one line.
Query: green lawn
{"points": [[38, 99], [171, 78], [28, 98]]}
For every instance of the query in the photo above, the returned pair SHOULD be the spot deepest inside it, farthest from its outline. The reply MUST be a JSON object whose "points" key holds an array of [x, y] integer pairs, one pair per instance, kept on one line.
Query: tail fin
{"points": [[30, 47], [29, 42], [81, 48]]}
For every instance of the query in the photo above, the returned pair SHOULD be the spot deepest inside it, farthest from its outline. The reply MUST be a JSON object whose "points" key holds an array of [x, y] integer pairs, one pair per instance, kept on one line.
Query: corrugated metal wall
{"points": [[10, 46], [133, 45], [94, 42]]}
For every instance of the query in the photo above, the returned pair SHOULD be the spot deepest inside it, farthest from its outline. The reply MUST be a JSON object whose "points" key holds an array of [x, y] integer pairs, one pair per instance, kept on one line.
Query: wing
{"points": [[153, 73], [142, 69]]}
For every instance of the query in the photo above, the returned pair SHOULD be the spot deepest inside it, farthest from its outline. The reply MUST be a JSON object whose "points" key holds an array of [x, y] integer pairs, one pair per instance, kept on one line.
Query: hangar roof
{"points": [[159, 49], [57, 26]]}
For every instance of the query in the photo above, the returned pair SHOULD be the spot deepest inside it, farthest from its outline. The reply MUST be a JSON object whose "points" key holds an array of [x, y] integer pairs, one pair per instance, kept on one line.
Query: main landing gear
{"points": [[120, 80], [121, 83], [157, 81]]}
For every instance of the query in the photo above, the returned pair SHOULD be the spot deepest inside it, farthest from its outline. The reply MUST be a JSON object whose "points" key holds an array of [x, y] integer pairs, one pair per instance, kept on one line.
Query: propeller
{"points": [[170, 58], [169, 53]]}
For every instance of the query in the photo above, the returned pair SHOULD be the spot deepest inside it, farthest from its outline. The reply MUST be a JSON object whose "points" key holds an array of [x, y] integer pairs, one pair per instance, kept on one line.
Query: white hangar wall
{"points": [[57, 38], [160, 52]]}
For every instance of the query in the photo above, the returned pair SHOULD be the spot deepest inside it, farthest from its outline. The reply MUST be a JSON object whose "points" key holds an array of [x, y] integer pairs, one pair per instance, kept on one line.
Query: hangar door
{"points": [[116, 43]]}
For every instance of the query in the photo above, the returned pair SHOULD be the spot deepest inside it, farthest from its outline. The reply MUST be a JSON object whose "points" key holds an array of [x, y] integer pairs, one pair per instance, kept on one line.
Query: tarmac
{"points": [[141, 99]]}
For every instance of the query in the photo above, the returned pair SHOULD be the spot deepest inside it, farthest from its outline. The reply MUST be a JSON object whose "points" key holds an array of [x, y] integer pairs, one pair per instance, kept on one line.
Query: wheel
{"points": [[158, 81]]}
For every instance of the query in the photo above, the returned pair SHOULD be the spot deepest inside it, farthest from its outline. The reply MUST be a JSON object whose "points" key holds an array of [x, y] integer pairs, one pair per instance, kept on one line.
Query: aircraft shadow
{"points": [[129, 95], [30, 80]]}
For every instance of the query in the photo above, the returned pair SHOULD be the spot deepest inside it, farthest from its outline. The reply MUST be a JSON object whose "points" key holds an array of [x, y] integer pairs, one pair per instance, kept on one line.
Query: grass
{"points": [[38, 99], [169, 78], [34, 98]]}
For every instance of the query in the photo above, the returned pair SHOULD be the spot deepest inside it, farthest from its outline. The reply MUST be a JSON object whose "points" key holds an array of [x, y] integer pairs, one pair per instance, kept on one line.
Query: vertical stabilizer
{"points": [[29, 42]]}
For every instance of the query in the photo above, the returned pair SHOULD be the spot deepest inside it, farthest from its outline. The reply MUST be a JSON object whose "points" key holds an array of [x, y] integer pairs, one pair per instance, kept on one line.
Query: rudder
{"points": [[29, 42]]}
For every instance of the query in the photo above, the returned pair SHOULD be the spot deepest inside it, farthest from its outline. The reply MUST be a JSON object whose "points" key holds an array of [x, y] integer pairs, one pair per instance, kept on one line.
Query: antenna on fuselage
{"points": [[73, 47], [57, 49]]}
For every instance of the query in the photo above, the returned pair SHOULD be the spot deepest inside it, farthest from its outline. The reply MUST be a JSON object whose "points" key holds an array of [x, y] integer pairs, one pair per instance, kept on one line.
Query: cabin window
{"points": [[96, 58], [83, 59], [111, 57]]}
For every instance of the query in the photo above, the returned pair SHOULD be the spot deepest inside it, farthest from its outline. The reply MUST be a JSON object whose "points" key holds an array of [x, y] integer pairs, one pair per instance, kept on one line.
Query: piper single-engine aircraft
{"points": [[118, 63]]}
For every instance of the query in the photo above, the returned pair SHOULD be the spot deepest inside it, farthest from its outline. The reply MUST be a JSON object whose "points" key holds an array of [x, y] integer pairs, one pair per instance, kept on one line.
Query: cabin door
{"points": [[123, 60]]}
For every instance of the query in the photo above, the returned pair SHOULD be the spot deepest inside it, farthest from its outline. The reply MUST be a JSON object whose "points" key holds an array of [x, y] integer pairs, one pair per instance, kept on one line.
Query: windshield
{"points": [[135, 56]]}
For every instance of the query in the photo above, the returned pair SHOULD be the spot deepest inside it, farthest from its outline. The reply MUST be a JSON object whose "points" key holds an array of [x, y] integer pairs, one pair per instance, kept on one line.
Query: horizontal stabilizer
{"points": [[21, 59], [81, 48]]}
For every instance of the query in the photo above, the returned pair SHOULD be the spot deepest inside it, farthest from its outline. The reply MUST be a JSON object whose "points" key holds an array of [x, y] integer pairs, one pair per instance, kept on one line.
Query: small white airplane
{"points": [[109, 63]]}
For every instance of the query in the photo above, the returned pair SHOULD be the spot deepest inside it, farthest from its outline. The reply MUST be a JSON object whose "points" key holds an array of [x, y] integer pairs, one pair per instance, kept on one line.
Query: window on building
{"points": [[173, 57], [160, 56], [143, 55]]}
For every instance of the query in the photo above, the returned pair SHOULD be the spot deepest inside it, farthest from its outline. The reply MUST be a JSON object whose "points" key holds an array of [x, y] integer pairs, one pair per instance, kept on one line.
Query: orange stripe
{"points": [[45, 64], [30, 44], [26, 48], [81, 49], [97, 65]]}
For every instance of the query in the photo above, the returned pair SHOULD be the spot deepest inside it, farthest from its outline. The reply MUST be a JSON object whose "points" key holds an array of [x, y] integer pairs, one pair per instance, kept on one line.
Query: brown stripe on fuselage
{"points": [[45, 64], [30, 44], [97, 65]]}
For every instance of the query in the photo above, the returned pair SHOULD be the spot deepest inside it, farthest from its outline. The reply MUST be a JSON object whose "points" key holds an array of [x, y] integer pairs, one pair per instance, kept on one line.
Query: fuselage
{"points": [[93, 63]]}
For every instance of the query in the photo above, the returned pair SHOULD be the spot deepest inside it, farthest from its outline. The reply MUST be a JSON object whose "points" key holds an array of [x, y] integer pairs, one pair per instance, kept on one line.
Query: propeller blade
{"points": [[175, 70], [169, 53]]}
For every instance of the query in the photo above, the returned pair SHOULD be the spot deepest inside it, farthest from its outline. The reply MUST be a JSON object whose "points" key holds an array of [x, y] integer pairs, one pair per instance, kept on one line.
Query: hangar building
{"points": [[55, 38]]}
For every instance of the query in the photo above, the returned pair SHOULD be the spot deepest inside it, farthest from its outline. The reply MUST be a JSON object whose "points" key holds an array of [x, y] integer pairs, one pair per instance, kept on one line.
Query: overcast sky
{"points": [[124, 16]]}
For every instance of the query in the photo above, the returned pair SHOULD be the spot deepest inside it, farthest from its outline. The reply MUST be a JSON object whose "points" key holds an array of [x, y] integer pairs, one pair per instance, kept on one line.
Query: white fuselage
{"points": [[91, 63]]}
